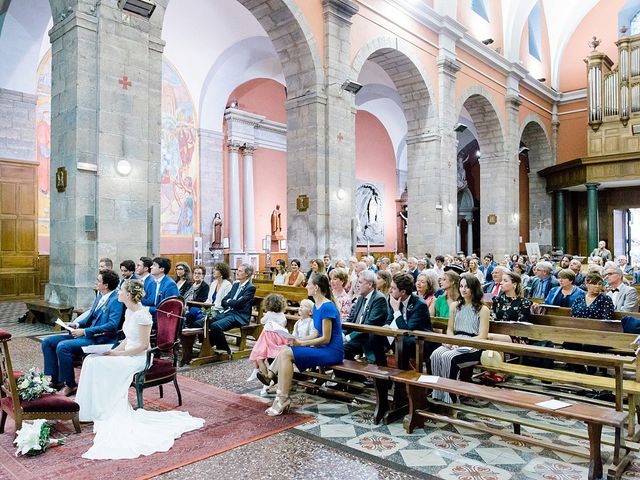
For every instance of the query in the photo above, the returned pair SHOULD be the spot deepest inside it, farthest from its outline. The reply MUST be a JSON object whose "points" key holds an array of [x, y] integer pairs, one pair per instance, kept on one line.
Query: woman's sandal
{"points": [[268, 378]]}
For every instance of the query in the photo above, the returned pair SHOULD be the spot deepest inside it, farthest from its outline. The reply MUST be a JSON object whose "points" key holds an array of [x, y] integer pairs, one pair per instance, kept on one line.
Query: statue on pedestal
{"points": [[276, 225], [216, 233]]}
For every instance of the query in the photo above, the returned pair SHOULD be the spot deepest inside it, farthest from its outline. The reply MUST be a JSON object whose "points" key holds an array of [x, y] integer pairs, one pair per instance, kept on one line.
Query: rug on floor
{"points": [[231, 420]]}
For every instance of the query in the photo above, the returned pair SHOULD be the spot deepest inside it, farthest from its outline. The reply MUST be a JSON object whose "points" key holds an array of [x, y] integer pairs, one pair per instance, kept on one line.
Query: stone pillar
{"points": [[339, 133], [249, 233], [469, 235], [105, 110], [235, 238], [458, 237], [211, 190], [592, 216], [561, 229]]}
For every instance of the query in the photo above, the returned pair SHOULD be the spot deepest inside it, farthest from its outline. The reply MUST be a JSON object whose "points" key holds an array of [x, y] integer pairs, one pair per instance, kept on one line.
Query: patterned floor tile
{"points": [[449, 441], [516, 444], [472, 470], [582, 442], [499, 456], [546, 469], [333, 431], [633, 471], [422, 458], [377, 443], [569, 458], [318, 420], [397, 429], [551, 418], [333, 409], [361, 417]]}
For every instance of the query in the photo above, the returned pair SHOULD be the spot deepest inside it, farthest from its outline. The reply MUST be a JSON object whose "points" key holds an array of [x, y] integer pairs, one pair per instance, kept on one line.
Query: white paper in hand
{"points": [[63, 325], [97, 349], [393, 326]]}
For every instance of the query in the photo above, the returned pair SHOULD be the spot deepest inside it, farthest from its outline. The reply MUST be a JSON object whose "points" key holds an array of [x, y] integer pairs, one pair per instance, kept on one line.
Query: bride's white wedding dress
{"points": [[103, 396]]}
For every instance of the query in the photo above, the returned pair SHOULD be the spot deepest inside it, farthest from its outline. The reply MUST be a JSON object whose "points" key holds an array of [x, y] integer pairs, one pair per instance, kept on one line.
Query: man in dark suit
{"points": [[237, 308], [543, 282], [409, 312], [97, 326], [370, 309], [160, 287]]}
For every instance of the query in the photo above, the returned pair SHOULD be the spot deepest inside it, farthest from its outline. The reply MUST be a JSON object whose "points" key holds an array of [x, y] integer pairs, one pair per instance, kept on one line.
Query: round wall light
{"points": [[123, 167], [341, 194]]}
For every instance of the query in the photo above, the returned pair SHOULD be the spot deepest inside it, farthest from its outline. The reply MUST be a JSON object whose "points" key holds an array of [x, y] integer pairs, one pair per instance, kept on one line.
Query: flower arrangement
{"points": [[33, 384], [33, 438]]}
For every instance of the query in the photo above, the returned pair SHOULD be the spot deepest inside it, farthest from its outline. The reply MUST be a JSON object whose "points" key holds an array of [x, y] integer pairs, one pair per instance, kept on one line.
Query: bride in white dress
{"points": [[103, 393]]}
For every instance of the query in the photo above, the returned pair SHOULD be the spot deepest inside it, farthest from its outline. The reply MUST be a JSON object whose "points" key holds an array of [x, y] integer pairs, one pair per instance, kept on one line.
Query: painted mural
{"points": [[180, 163], [43, 148]]}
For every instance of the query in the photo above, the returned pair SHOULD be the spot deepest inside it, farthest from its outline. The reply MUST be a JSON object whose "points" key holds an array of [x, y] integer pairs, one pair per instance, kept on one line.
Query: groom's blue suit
{"points": [[101, 326]]}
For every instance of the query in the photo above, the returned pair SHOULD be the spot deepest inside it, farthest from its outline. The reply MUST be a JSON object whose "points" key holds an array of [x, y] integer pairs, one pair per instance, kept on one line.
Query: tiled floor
{"points": [[343, 443], [10, 312]]}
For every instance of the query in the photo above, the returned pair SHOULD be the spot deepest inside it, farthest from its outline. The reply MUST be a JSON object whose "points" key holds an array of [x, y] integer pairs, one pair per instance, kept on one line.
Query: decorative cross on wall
{"points": [[340, 136], [125, 82]]}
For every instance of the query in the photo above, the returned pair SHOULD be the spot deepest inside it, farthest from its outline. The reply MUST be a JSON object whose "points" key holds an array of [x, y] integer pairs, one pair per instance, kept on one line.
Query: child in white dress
{"points": [[304, 327]]}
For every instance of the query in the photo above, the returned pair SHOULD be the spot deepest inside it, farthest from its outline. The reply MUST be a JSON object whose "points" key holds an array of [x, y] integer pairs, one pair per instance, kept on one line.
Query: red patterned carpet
{"points": [[231, 420]]}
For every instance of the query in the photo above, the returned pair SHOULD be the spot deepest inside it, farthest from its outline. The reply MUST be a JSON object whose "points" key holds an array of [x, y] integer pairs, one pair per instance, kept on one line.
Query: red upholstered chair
{"points": [[162, 360], [48, 406]]}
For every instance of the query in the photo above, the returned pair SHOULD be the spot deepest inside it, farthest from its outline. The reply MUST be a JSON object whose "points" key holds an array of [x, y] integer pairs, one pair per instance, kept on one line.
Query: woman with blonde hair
{"points": [[338, 279], [450, 282]]}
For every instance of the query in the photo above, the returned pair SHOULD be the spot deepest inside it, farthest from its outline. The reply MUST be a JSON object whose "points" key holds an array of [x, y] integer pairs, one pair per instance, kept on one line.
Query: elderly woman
{"points": [[339, 278], [595, 304], [450, 283], [383, 282], [566, 293], [427, 286], [323, 349]]}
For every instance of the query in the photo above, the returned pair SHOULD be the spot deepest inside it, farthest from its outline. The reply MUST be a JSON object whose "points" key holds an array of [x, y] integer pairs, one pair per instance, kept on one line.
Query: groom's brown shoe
{"points": [[68, 391]]}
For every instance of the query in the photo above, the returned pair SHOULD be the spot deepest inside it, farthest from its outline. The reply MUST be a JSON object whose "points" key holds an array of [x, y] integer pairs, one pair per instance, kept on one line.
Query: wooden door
{"points": [[18, 230]]}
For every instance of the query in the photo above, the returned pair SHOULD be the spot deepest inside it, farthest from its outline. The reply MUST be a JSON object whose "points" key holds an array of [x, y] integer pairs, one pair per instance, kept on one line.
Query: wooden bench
{"points": [[566, 312], [594, 416], [46, 312]]}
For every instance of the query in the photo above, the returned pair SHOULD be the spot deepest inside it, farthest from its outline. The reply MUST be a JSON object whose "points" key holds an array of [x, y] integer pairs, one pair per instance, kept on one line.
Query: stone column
{"points": [[458, 237], [469, 235], [249, 216], [235, 238], [592, 216], [211, 190], [105, 111], [561, 229]]}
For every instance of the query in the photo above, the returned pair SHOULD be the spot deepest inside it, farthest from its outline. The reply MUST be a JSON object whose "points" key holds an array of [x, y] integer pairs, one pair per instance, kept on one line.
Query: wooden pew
{"points": [[566, 312], [594, 416]]}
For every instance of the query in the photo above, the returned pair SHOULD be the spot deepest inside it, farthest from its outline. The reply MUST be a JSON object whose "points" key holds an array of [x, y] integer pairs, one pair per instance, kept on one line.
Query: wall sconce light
{"points": [[341, 194], [460, 127], [487, 41], [542, 79], [438, 206], [351, 86], [515, 217], [233, 104], [450, 207], [139, 7], [123, 167], [478, 153]]}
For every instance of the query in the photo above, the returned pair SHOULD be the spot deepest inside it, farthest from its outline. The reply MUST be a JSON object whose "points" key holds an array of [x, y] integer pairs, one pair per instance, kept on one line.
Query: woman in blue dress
{"points": [[324, 349]]}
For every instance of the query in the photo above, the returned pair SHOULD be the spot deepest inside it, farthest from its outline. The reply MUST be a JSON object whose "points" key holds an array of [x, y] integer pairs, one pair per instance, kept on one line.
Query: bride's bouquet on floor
{"points": [[33, 385], [33, 438]]}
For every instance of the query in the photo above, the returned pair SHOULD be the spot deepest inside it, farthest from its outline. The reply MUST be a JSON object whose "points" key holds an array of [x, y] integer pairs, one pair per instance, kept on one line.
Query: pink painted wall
{"points": [[376, 162], [601, 21], [263, 97], [478, 27]]}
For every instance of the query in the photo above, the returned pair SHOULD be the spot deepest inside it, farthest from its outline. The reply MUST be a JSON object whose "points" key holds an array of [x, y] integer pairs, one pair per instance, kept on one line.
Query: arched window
{"points": [[535, 31], [635, 24], [480, 7]]}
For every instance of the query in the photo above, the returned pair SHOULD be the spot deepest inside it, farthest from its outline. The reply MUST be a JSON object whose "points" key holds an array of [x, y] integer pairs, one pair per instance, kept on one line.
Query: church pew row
{"points": [[417, 395], [566, 312]]}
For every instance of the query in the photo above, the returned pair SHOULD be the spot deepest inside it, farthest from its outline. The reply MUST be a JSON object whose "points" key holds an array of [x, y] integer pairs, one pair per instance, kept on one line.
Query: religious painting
{"points": [[180, 162], [369, 213], [43, 148]]}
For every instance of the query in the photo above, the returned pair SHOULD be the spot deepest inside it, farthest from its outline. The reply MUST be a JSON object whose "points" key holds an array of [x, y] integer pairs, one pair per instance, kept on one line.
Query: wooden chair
{"points": [[48, 406], [157, 370]]}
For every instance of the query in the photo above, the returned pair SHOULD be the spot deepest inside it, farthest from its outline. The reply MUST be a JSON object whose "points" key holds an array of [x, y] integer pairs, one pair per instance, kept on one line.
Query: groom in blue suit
{"points": [[160, 287], [98, 326]]}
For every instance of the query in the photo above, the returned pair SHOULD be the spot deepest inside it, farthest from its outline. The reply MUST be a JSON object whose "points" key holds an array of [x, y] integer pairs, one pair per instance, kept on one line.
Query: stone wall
{"points": [[17, 125]]}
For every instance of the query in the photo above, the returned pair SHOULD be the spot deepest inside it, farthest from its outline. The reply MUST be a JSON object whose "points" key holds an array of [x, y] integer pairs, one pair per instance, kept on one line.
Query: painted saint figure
{"points": [[276, 225]]}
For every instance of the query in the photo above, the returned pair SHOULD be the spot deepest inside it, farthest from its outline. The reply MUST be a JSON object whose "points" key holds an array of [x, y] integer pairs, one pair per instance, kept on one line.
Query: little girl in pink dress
{"points": [[274, 334]]}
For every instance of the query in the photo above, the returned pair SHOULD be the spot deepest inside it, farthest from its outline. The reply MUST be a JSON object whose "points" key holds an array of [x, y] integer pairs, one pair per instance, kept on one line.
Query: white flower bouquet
{"points": [[33, 385], [33, 438]]}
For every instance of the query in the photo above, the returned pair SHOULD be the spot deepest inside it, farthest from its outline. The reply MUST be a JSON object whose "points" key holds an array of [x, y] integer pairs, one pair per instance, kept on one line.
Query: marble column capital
{"points": [[234, 146]]}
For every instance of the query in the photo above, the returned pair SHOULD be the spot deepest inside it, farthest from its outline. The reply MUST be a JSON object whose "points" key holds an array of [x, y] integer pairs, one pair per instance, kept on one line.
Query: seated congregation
{"points": [[413, 330]]}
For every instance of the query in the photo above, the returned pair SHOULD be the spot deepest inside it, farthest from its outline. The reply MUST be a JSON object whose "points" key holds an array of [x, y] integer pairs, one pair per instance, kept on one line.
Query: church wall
{"points": [[313, 17], [478, 27], [538, 68], [572, 134], [573, 71], [533, 104], [468, 76], [17, 125], [375, 162]]}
